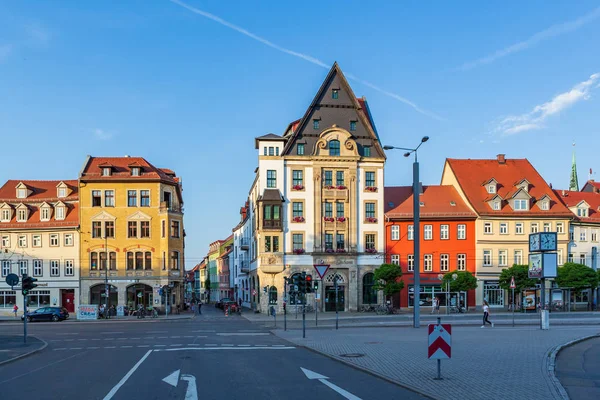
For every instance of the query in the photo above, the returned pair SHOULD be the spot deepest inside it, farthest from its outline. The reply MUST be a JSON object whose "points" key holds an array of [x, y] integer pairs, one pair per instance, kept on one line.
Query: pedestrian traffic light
{"points": [[28, 284], [296, 280], [309, 283], [315, 286]]}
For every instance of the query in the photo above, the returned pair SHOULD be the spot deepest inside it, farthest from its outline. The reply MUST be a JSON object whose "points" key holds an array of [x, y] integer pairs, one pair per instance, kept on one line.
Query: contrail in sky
{"points": [[305, 57]]}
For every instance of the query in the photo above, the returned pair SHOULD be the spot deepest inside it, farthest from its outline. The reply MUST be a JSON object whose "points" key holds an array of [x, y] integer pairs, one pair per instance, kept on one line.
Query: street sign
{"points": [[321, 269], [512, 283], [12, 279], [440, 341]]}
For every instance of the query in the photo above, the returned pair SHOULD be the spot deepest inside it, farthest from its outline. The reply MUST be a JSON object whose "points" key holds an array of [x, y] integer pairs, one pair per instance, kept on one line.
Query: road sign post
{"points": [[440, 344], [513, 286]]}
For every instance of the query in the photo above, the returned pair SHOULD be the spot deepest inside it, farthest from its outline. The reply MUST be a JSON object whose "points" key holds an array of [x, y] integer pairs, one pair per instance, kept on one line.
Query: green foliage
{"points": [[521, 274], [577, 277], [464, 282], [387, 278], [207, 283]]}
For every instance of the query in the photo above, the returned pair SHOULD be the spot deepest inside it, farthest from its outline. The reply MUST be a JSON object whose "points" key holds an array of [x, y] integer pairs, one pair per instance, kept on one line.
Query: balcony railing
{"points": [[170, 207], [244, 243], [272, 223]]}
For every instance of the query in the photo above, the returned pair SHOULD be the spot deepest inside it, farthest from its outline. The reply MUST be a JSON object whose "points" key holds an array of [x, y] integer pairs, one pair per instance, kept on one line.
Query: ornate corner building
{"points": [[317, 199]]}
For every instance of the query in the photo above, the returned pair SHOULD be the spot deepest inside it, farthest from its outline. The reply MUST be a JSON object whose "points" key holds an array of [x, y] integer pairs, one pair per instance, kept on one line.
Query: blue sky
{"points": [[167, 81]]}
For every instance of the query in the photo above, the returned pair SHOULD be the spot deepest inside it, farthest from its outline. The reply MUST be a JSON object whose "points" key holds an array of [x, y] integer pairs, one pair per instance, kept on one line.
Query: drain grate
{"points": [[352, 355]]}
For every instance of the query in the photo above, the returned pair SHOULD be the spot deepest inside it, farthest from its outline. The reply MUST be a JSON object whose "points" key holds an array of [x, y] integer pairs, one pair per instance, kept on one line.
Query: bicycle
{"points": [[308, 308]]}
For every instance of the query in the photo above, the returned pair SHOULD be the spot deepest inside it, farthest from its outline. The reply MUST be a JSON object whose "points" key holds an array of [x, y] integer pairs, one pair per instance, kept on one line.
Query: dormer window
{"points": [[524, 184], [421, 204], [315, 124], [135, 171], [106, 171], [582, 212], [60, 213], [352, 125], [21, 193], [520, 205], [453, 203], [45, 213], [6, 215], [491, 188], [62, 192], [335, 93], [496, 205], [545, 205], [334, 147], [22, 215]]}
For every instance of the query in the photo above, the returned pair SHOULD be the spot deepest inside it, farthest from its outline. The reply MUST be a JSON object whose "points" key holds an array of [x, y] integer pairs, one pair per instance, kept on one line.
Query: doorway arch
{"points": [[97, 294], [139, 293]]}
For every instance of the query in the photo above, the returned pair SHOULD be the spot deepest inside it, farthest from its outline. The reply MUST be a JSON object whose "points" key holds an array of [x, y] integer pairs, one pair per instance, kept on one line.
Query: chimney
{"points": [[501, 159], [420, 188], [550, 185]]}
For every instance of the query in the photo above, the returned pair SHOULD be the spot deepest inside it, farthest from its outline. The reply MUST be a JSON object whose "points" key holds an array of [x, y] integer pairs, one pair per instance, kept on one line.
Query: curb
{"points": [[44, 345], [359, 368], [551, 364]]}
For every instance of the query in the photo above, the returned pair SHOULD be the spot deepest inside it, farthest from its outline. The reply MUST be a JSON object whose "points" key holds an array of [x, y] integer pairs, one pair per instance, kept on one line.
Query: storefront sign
{"points": [[87, 311], [535, 266], [120, 311]]}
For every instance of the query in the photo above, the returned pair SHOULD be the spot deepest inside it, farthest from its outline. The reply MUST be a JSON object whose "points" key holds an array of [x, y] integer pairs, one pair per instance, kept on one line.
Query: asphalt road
{"points": [[211, 356], [578, 370]]}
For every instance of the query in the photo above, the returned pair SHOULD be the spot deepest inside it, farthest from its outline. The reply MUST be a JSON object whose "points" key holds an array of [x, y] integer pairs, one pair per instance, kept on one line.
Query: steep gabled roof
{"points": [[573, 199], [440, 201], [41, 191]]}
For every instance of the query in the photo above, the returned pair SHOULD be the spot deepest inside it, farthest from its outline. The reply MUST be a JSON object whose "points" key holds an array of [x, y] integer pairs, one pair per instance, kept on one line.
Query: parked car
{"points": [[54, 314]]}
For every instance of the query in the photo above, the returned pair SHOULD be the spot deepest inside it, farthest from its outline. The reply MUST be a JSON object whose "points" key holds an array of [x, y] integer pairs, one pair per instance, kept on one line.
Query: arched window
{"points": [[93, 261], [334, 147], [139, 260], [369, 292], [129, 260], [148, 260], [272, 295]]}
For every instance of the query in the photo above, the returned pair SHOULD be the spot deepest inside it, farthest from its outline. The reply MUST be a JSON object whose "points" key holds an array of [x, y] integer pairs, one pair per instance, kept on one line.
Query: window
{"points": [[503, 228], [297, 178], [370, 179], [519, 228], [45, 214], [23, 267], [369, 289], [444, 262], [335, 93], [297, 241], [327, 178], [315, 124], [135, 171], [68, 239], [276, 151], [145, 229], [410, 262], [520, 205], [444, 232], [582, 259], [487, 258], [594, 235], [139, 260], [38, 267], [560, 227], [461, 262], [502, 258], [428, 263], [340, 242], [105, 171], [21, 193], [370, 210], [581, 212], [69, 270], [339, 178], [300, 149], [265, 151], [22, 241], [271, 151], [132, 198], [547, 227], [112, 259], [395, 259], [54, 267], [334, 147], [487, 228], [109, 198], [582, 235], [93, 261], [559, 257], [129, 260], [571, 233], [144, 198], [96, 229], [271, 178], [271, 244], [109, 229], [36, 240], [22, 215], [496, 205], [491, 188], [570, 257], [163, 228], [410, 233], [352, 125], [96, 198], [272, 295], [175, 229], [60, 213], [132, 229], [395, 232], [367, 151], [461, 231], [518, 257], [339, 209], [271, 216], [534, 228], [6, 216], [102, 256], [428, 232], [5, 241], [328, 241], [38, 298], [370, 241], [175, 260], [5, 269], [545, 206]]}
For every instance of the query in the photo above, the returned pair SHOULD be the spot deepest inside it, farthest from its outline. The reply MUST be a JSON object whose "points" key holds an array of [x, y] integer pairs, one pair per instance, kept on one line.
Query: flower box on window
{"points": [[371, 188], [341, 219], [329, 251], [340, 251], [298, 187], [329, 187], [371, 219], [328, 219], [371, 250], [298, 219], [299, 251], [341, 187]]}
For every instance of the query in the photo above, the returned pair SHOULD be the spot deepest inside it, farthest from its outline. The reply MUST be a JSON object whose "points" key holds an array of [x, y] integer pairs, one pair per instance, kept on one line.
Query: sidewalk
{"points": [[13, 348], [72, 319], [492, 363]]}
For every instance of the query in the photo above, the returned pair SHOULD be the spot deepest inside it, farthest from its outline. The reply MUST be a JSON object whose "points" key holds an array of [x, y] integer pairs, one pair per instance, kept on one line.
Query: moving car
{"points": [[54, 314]]}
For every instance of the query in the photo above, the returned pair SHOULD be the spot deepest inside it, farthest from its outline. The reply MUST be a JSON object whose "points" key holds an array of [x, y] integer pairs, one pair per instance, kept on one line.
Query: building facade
{"points": [[240, 262], [511, 200], [225, 250], [131, 223], [447, 242], [39, 223], [318, 199]]}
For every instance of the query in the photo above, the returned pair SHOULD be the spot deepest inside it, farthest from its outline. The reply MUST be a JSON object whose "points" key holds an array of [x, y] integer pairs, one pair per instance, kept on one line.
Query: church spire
{"points": [[574, 184]]}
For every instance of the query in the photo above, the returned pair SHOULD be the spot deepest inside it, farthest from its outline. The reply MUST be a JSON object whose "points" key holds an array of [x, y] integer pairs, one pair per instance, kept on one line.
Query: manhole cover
{"points": [[352, 355]]}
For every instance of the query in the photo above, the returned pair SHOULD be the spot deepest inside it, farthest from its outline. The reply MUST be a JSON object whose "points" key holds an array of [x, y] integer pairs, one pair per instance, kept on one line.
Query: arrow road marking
{"points": [[323, 379], [124, 379], [172, 379], [191, 392]]}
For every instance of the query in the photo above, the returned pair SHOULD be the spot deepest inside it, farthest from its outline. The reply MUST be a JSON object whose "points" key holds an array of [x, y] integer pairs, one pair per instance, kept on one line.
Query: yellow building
{"points": [[131, 218], [511, 200]]}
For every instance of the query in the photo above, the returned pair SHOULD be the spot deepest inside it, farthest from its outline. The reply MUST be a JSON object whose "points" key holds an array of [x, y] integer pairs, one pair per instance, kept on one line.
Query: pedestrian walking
{"points": [[15, 310], [435, 305], [486, 314], [200, 308]]}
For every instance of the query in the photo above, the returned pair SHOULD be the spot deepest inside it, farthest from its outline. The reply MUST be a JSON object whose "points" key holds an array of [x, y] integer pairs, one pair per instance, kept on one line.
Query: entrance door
{"points": [[68, 299], [330, 298]]}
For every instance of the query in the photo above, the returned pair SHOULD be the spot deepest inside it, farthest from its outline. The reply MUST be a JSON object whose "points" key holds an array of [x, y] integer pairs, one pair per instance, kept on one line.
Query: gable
{"points": [[139, 216], [521, 194], [103, 216]]}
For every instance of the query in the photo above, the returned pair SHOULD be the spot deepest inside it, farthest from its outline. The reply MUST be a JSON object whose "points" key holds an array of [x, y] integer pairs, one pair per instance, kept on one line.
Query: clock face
{"points": [[548, 241], [534, 242]]}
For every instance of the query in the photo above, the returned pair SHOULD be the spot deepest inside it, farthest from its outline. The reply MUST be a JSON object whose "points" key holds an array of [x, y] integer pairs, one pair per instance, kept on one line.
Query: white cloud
{"points": [[305, 57], [553, 31], [101, 134], [535, 119]]}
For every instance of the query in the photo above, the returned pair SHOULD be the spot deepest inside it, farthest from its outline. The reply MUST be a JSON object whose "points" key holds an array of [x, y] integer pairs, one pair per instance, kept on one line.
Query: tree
{"points": [[207, 284], [521, 275], [387, 278], [576, 277], [464, 282]]}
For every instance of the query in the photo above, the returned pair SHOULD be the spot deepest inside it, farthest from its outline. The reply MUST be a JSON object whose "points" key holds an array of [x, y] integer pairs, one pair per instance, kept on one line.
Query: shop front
{"points": [[429, 292]]}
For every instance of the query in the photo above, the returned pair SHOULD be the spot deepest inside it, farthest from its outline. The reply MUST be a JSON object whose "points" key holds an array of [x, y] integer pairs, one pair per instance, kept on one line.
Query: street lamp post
{"points": [[416, 229], [106, 287]]}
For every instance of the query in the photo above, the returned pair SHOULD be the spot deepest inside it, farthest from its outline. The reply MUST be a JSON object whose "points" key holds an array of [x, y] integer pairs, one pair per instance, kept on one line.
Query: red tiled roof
{"points": [[572, 199], [122, 169], [362, 101], [438, 203], [471, 176], [33, 222], [593, 184], [42, 191]]}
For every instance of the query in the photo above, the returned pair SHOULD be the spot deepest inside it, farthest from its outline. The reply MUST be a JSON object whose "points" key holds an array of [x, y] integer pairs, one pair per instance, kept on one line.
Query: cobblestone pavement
{"points": [[492, 363]]}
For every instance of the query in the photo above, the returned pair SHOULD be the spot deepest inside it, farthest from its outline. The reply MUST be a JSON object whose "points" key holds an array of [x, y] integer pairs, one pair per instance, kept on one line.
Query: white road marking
{"points": [[67, 333], [244, 334], [144, 345], [211, 344], [260, 345], [93, 348], [96, 339], [201, 336], [110, 347], [126, 347], [75, 348], [160, 345], [111, 333], [279, 345], [157, 331], [61, 348], [135, 338], [243, 345], [203, 330], [192, 392], [162, 337], [192, 336], [175, 345], [323, 379], [124, 379], [175, 337], [227, 348]]}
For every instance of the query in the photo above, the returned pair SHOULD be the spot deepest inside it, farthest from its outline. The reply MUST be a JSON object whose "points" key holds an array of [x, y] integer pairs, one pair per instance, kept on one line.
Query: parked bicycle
{"points": [[367, 308]]}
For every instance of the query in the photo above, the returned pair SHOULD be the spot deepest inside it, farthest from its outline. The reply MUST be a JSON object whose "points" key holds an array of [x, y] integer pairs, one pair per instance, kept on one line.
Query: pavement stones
{"points": [[492, 363], [12, 347]]}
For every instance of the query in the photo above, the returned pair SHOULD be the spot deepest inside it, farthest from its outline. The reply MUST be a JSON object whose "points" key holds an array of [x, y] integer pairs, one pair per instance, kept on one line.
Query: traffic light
{"points": [[303, 282], [309, 283], [28, 284], [296, 283], [315, 286]]}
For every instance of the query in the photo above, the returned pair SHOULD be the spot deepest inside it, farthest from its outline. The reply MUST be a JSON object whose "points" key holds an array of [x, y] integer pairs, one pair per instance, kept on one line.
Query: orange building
{"points": [[447, 241]]}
